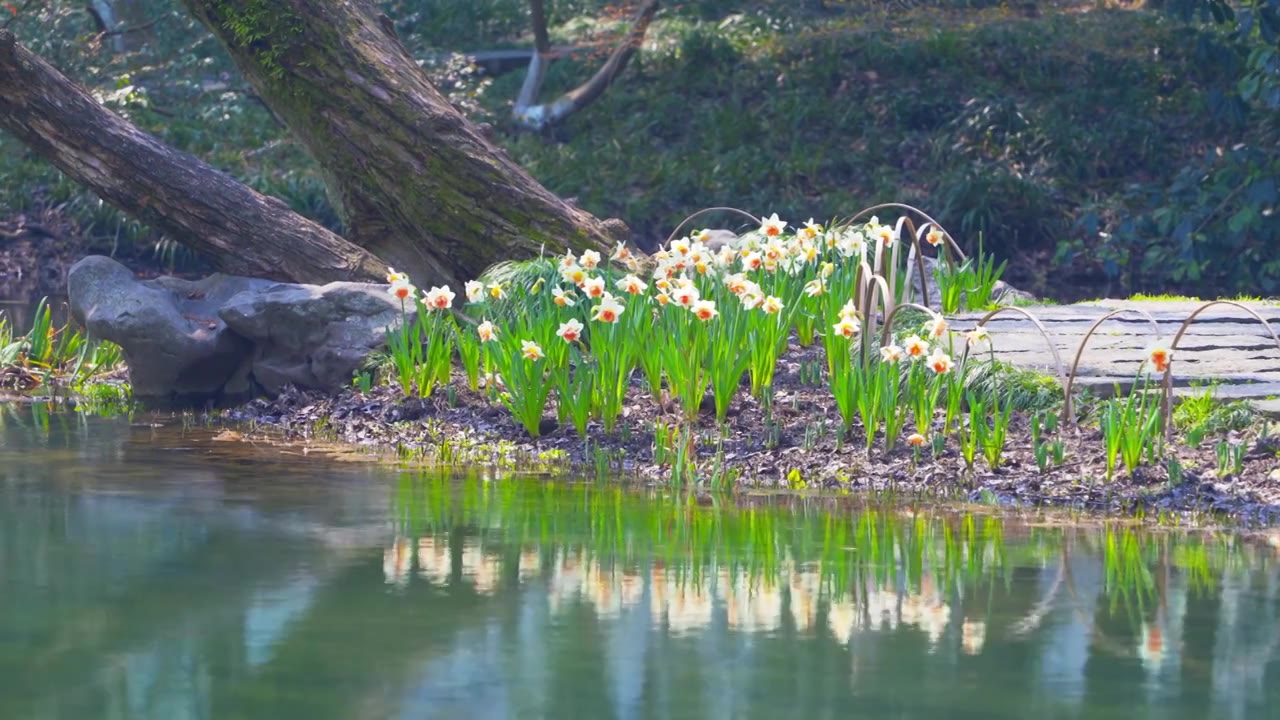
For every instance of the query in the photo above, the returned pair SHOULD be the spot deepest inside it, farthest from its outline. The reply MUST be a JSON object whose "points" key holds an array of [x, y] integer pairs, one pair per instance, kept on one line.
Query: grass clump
{"points": [[1200, 414], [1027, 390], [49, 356]]}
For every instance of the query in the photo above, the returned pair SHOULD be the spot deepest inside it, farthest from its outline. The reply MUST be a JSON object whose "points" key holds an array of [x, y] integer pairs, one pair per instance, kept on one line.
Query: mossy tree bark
{"points": [[239, 230], [416, 183]]}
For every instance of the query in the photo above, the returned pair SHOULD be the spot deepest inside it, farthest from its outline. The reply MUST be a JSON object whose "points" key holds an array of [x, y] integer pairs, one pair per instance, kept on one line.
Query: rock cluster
{"points": [[226, 338]]}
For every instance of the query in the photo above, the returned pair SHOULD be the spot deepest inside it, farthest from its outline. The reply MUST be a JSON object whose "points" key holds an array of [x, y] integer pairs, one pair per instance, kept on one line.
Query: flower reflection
{"points": [[754, 605], [1151, 646], [684, 598], [841, 618], [599, 588], [608, 589], [397, 561], [804, 588], [434, 564], [632, 584], [885, 608], [530, 565], [973, 635], [881, 610], [685, 603], [480, 569], [567, 579], [926, 611]]}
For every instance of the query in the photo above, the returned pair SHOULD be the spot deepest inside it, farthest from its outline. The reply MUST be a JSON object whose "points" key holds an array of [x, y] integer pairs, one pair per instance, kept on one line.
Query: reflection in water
{"points": [[150, 573]]}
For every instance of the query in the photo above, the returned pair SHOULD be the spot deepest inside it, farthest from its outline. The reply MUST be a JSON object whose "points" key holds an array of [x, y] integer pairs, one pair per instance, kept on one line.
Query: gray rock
{"points": [[177, 348], [311, 336], [225, 338]]}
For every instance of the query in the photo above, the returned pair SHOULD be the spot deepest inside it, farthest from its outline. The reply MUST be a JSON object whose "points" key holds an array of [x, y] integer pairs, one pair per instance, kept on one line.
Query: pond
{"points": [[166, 572]]}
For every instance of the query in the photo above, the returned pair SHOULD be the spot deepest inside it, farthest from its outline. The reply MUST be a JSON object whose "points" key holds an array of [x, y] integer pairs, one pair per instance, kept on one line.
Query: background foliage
{"points": [[1101, 149]]}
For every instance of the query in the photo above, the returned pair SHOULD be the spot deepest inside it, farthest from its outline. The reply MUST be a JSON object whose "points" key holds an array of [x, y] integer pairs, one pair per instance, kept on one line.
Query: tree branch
{"points": [[587, 93], [538, 63], [240, 230], [539, 117], [533, 78]]}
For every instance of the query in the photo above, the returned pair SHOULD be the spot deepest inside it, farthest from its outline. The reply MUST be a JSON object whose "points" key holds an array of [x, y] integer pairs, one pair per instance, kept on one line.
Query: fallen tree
{"points": [[416, 184]]}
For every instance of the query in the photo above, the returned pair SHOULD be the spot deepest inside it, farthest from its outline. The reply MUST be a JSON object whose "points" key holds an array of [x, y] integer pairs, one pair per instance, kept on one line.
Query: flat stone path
{"points": [[1224, 345]]}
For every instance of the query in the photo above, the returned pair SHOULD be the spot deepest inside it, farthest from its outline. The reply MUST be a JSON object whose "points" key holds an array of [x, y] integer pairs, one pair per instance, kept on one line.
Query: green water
{"points": [[155, 573]]}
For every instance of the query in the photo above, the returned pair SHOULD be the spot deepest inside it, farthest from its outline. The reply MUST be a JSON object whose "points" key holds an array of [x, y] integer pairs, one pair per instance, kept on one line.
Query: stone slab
{"points": [[1224, 345]]}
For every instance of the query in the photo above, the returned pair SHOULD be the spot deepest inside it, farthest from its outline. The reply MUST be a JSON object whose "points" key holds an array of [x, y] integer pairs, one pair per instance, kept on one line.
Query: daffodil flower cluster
{"points": [[697, 315], [422, 347]]}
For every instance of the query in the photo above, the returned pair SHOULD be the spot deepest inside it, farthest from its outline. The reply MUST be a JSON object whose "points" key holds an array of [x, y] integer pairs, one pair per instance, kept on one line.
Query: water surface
{"points": [[156, 572]]}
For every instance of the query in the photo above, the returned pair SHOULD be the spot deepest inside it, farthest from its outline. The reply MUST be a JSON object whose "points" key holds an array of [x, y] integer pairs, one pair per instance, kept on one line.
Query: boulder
{"points": [[311, 336], [226, 338], [177, 348]]}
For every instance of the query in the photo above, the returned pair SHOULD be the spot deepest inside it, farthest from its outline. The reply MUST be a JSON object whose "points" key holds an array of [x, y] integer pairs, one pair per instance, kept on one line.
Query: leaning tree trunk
{"points": [[238, 229], [415, 182]]}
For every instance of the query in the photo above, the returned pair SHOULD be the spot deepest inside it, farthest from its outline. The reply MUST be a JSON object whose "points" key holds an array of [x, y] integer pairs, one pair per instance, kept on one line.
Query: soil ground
{"points": [[795, 444]]}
